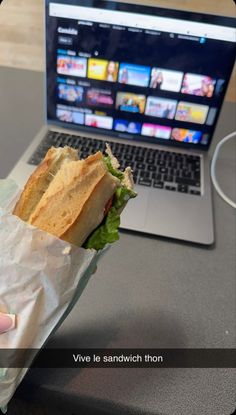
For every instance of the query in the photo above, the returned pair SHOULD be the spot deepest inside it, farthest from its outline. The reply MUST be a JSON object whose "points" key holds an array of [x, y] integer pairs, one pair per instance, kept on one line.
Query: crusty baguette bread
{"points": [[71, 205], [41, 179], [92, 213]]}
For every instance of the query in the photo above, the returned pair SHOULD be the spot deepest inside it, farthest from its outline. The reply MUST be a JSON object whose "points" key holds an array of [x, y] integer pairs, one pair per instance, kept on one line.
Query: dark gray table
{"points": [[147, 292]]}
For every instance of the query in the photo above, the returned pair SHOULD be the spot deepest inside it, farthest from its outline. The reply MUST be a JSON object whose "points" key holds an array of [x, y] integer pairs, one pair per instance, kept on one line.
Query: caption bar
{"points": [[118, 358]]}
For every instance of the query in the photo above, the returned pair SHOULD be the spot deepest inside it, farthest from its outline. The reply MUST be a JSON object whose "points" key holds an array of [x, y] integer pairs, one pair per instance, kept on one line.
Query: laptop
{"points": [[151, 82]]}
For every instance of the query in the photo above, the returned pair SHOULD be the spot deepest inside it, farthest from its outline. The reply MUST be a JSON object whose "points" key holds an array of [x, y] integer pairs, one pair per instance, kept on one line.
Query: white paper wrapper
{"points": [[41, 278]]}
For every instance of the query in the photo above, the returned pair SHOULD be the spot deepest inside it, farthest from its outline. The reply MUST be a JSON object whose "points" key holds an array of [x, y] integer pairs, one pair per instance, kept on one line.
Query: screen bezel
{"points": [[149, 10]]}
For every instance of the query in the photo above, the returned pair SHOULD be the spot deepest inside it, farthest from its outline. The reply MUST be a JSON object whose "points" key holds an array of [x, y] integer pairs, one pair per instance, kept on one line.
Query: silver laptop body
{"points": [[174, 214]]}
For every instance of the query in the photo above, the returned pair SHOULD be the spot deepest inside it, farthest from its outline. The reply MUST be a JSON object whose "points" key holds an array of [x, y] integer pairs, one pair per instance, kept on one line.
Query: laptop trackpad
{"points": [[135, 212]]}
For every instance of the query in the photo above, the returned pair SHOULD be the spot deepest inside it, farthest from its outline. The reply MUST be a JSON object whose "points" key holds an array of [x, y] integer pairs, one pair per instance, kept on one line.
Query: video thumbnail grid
{"points": [[123, 73], [88, 118], [84, 101], [69, 92]]}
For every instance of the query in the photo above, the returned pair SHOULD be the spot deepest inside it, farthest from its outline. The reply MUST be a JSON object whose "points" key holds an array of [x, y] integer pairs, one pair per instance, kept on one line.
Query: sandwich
{"points": [[78, 201]]}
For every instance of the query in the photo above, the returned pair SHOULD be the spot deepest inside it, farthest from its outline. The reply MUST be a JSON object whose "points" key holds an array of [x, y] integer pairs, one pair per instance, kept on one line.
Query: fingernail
{"points": [[7, 322]]}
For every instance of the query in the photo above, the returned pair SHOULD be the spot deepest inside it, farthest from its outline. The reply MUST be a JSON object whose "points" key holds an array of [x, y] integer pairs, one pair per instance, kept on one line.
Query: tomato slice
{"points": [[108, 206]]}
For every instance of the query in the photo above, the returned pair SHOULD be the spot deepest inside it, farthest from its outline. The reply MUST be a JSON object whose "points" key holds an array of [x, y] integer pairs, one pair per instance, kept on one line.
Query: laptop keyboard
{"points": [[151, 167]]}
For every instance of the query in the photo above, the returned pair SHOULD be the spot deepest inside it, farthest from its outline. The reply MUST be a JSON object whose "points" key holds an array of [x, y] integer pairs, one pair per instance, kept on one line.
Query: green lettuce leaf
{"points": [[105, 233], [108, 231], [111, 169], [122, 195]]}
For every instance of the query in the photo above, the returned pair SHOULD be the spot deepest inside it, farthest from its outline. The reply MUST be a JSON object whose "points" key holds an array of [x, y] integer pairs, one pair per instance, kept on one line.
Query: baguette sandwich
{"points": [[79, 201]]}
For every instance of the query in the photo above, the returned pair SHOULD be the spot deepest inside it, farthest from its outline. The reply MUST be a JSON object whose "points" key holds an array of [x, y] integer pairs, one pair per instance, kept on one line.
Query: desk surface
{"points": [[147, 293]]}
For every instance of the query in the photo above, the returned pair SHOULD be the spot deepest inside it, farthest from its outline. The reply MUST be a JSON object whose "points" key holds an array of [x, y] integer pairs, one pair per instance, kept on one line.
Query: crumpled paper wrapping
{"points": [[41, 279]]}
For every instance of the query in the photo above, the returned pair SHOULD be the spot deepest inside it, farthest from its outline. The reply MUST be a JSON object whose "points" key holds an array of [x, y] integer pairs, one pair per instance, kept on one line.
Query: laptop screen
{"points": [[137, 72]]}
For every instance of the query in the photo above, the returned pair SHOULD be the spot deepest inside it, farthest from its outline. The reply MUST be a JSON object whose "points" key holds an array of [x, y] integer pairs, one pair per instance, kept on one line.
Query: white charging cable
{"points": [[213, 169]]}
